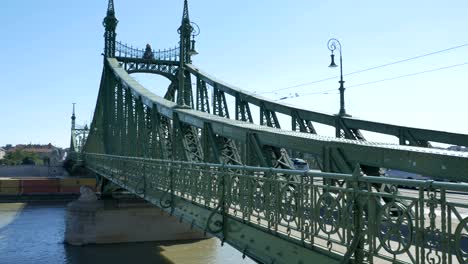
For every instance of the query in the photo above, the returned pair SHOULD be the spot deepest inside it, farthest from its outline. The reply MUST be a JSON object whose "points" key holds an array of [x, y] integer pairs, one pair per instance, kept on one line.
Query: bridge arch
{"points": [[158, 83], [171, 77]]}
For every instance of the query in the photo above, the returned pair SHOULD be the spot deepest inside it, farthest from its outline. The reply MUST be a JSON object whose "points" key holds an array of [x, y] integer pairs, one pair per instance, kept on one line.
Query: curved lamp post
{"points": [[334, 44], [195, 32]]}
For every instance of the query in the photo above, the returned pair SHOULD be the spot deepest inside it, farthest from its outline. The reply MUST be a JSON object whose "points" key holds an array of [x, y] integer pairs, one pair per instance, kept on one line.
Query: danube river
{"points": [[34, 233]]}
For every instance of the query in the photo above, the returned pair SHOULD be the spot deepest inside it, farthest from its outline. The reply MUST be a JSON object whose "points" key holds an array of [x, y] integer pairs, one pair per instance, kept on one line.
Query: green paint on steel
{"points": [[301, 219], [290, 216]]}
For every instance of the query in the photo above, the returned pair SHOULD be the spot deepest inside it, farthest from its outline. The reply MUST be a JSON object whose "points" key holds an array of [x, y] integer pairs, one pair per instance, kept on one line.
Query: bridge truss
{"points": [[190, 158]]}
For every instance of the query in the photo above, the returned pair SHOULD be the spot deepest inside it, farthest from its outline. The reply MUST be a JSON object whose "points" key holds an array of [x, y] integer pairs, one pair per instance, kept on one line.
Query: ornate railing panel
{"points": [[425, 225], [123, 50]]}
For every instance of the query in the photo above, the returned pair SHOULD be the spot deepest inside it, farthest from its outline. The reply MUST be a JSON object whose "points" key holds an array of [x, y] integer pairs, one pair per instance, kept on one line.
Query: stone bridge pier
{"points": [[122, 220]]}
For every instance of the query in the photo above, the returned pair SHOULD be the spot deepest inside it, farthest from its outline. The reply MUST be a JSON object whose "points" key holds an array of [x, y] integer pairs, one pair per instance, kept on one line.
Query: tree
{"points": [[19, 157]]}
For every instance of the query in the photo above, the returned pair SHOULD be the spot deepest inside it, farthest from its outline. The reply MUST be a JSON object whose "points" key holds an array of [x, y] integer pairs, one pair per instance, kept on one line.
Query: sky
{"points": [[52, 57]]}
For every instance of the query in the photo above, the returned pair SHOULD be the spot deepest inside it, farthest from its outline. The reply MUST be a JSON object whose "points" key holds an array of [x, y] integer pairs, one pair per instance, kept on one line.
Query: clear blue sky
{"points": [[51, 52]]}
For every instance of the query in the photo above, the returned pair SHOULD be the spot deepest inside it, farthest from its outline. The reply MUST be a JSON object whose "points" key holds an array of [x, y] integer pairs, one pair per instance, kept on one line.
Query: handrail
{"points": [[312, 174]]}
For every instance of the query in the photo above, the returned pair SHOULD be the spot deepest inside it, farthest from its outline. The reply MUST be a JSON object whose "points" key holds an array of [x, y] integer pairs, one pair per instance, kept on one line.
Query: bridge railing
{"points": [[123, 50], [370, 217]]}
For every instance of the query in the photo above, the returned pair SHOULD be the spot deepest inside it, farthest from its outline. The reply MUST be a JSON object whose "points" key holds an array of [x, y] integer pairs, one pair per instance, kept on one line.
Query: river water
{"points": [[34, 233]]}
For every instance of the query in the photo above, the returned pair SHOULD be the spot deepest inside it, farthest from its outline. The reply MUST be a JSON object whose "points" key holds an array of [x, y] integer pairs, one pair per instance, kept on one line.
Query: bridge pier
{"points": [[122, 221]]}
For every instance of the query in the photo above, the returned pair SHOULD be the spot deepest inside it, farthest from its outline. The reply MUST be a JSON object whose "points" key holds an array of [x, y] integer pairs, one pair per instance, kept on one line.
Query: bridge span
{"points": [[235, 179]]}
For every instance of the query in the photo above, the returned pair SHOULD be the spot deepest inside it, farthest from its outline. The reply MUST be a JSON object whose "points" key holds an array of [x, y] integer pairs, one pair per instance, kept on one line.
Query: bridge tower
{"points": [[73, 118], [73, 127], [184, 95], [110, 24]]}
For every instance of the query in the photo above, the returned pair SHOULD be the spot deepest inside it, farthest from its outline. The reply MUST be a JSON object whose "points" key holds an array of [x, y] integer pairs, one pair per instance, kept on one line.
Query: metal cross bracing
{"points": [[203, 103], [134, 131], [243, 109], [406, 135]]}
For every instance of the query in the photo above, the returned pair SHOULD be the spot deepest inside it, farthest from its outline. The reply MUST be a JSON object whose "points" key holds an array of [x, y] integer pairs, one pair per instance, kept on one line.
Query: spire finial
{"points": [[73, 117], [185, 15], [110, 24], [73, 114], [110, 8], [110, 21]]}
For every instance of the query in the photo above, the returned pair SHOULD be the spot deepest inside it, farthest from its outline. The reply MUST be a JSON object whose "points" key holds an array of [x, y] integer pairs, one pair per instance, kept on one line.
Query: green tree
{"points": [[19, 157]]}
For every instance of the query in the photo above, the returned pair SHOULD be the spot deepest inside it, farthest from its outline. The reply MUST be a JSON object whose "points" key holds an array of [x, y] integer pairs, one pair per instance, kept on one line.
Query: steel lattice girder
{"points": [[438, 163], [165, 68], [243, 110], [203, 103], [133, 116], [421, 135], [220, 107], [297, 123], [186, 141]]}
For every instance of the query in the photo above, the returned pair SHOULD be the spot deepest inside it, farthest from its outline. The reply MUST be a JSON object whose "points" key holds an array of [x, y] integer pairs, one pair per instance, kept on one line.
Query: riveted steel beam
{"points": [[406, 137], [210, 147], [330, 119], [202, 98], [437, 163], [300, 124], [187, 144], [243, 109], [220, 107], [268, 117], [343, 131]]}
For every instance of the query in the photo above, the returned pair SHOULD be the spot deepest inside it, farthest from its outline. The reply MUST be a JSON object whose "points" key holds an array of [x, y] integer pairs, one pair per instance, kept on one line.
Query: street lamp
{"points": [[195, 32], [334, 44]]}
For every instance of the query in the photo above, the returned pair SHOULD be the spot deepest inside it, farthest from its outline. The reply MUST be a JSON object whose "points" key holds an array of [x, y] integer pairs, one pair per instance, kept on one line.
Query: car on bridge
{"points": [[300, 164], [391, 173]]}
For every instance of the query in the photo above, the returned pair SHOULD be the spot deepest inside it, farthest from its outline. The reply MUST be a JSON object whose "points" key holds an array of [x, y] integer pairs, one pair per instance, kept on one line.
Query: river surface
{"points": [[34, 233]]}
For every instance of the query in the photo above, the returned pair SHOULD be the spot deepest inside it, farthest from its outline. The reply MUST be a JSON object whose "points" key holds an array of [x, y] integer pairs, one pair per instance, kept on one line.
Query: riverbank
{"points": [[32, 233]]}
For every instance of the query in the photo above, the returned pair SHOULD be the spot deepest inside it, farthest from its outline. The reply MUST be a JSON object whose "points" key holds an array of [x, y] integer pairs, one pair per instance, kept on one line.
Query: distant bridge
{"points": [[235, 179]]}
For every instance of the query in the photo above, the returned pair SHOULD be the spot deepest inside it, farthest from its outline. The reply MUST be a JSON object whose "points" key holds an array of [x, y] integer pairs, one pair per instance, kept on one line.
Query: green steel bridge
{"points": [[235, 179]]}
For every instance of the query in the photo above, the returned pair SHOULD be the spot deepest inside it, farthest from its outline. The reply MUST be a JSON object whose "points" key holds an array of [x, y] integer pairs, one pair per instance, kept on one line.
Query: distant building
{"points": [[45, 152], [2, 153], [34, 148]]}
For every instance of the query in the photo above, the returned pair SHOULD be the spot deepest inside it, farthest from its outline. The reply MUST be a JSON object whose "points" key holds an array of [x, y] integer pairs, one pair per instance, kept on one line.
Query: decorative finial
{"points": [[110, 8], [110, 24], [185, 16], [110, 21], [73, 114]]}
